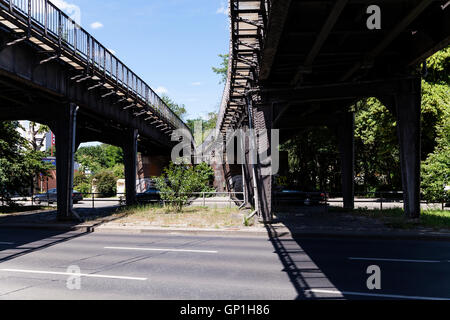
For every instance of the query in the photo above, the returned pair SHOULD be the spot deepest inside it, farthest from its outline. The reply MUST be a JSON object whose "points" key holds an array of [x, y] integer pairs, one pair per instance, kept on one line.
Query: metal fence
{"points": [[44, 20], [373, 200], [95, 200]]}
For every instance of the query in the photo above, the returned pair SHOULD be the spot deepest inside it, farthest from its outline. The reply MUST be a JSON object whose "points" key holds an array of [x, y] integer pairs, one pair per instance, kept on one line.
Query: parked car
{"points": [[52, 197], [295, 197], [152, 195]]}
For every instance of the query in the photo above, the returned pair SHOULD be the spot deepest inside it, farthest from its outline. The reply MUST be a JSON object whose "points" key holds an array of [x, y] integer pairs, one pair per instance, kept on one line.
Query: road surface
{"points": [[41, 264]]}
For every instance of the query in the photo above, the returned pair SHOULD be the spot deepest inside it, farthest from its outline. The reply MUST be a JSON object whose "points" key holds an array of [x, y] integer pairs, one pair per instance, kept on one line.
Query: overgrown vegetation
{"points": [[106, 183], [180, 182], [194, 217]]}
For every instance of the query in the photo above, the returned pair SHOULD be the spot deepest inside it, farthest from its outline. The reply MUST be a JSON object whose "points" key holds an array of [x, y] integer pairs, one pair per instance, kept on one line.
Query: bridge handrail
{"points": [[44, 18]]}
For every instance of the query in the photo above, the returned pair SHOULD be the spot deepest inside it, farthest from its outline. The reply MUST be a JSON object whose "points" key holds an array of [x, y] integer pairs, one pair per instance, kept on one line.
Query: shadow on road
{"points": [[16, 239], [317, 267], [15, 243]]}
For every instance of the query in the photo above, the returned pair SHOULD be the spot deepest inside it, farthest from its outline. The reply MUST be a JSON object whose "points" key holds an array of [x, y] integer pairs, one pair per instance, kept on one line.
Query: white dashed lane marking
{"points": [[158, 249], [73, 274]]}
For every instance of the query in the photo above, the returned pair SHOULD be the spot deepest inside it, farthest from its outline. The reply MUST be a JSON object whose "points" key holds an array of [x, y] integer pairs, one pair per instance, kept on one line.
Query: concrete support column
{"points": [[346, 137], [130, 159], [408, 111], [65, 136]]}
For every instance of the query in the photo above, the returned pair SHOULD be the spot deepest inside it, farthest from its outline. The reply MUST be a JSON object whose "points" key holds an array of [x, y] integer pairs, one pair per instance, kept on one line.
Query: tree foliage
{"points": [[207, 126], [106, 183], [222, 70], [178, 109], [377, 150], [19, 163], [97, 158], [436, 168], [179, 182]]}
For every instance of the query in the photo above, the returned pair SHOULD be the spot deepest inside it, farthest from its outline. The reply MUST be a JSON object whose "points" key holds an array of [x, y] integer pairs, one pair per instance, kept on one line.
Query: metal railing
{"points": [[90, 199], [44, 20], [382, 200]]}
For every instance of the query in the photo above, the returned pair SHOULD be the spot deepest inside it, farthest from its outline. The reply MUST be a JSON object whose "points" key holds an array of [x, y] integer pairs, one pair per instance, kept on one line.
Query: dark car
{"points": [[300, 197], [152, 195], [52, 197]]}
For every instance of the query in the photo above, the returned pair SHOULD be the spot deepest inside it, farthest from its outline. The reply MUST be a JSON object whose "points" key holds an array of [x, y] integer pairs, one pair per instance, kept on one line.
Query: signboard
{"points": [[51, 160]]}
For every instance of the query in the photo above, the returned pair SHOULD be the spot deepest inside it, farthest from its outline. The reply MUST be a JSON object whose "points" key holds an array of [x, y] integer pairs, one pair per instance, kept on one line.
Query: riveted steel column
{"points": [[408, 111], [130, 155], [346, 136], [65, 136]]}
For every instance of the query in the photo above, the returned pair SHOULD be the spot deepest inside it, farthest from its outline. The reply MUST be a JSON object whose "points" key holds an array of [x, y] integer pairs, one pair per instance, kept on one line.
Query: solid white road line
{"points": [[374, 295], [6, 243], [395, 260], [73, 274], [155, 249]]}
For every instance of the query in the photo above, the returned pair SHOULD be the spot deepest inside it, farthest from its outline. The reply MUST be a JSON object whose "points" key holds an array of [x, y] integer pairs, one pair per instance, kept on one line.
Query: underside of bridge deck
{"points": [[307, 62], [57, 74]]}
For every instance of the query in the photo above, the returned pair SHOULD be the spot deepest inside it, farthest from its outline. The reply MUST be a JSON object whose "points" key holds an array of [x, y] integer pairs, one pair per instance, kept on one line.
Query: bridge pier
{"points": [[65, 136], [263, 124], [346, 137], [130, 159], [406, 105]]}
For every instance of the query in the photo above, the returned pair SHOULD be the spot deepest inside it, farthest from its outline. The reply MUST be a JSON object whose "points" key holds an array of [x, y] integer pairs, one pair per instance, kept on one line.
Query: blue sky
{"points": [[171, 44]]}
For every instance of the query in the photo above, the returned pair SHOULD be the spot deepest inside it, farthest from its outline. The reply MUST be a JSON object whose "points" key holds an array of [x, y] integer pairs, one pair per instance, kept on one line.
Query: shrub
{"points": [[80, 178], [179, 182], [106, 183], [84, 188], [119, 171]]}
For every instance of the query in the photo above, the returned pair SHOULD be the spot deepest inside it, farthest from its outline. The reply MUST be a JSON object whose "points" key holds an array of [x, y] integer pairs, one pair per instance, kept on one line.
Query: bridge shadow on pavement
{"points": [[17, 240], [304, 273], [318, 267]]}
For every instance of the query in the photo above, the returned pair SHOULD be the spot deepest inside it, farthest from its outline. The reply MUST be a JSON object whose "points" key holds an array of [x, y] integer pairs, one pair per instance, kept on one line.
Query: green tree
{"points": [[106, 183], [97, 158], [377, 155], [178, 109], [19, 163], [436, 99], [436, 169], [222, 70], [207, 125], [179, 182]]}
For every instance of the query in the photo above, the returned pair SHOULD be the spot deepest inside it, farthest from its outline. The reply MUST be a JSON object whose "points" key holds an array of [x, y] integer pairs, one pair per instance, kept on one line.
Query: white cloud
{"points": [[72, 10], [161, 90], [223, 8], [96, 25], [196, 84]]}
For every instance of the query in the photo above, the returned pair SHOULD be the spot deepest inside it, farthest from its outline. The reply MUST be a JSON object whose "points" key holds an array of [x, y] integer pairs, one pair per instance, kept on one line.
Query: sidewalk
{"points": [[307, 222]]}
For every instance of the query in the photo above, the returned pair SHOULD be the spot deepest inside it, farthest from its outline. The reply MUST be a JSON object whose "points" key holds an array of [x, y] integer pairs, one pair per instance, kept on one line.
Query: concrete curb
{"points": [[276, 233]]}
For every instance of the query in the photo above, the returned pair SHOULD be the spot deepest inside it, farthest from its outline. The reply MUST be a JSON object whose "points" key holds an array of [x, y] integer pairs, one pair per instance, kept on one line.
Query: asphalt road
{"points": [[40, 264]]}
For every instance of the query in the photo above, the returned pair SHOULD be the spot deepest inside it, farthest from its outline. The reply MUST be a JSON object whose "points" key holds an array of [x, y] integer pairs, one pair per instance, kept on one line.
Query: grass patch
{"points": [[395, 218], [193, 217], [19, 209]]}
